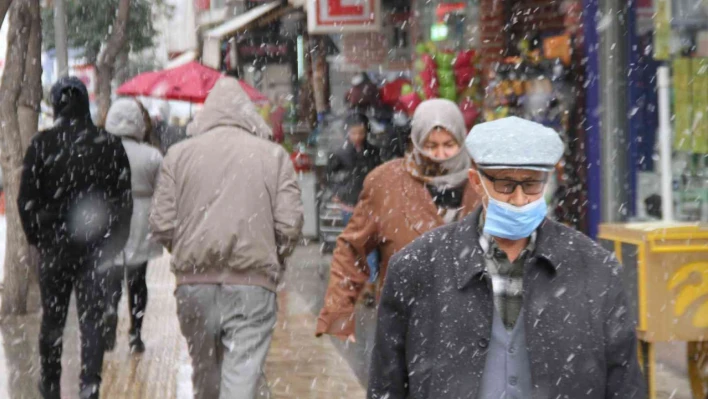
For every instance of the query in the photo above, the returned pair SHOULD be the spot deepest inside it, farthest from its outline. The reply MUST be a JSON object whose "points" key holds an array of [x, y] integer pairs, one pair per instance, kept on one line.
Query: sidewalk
{"points": [[298, 366]]}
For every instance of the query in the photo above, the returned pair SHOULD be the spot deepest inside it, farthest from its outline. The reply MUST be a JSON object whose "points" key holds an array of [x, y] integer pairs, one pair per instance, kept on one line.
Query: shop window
{"points": [[400, 36], [451, 25]]}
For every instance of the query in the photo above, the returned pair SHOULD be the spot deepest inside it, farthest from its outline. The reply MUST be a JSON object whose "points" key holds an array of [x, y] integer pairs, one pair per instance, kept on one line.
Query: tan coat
{"points": [[227, 203], [394, 209]]}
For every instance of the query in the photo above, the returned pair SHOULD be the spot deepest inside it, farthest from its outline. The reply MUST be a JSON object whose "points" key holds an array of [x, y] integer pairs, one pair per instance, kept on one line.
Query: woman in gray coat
{"points": [[128, 120]]}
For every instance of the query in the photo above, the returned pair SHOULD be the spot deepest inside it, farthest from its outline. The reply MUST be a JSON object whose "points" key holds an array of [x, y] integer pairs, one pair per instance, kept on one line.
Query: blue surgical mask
{"points": [[513, 222]]}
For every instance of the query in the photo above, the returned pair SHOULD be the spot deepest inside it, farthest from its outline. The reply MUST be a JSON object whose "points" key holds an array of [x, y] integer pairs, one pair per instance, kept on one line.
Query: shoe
{"points": [[49, 391], [110, 327], [91, 391], [136, 344]]}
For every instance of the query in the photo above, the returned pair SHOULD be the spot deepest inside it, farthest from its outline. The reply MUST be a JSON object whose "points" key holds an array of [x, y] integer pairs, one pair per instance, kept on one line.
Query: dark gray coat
{"points": [[435, 319]]}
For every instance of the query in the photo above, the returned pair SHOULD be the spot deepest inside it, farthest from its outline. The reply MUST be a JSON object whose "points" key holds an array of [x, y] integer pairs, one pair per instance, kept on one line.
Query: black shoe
{"points": [[49, 391], [136, 344], [91, 391]]}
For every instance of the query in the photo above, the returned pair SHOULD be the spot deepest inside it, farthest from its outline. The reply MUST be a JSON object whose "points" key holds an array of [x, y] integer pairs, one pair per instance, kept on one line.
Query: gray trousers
{"points": [[228, 330]]}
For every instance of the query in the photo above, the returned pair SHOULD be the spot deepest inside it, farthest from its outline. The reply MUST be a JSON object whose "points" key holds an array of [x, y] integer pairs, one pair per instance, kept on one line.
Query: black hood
{"points": [[70, 99]]}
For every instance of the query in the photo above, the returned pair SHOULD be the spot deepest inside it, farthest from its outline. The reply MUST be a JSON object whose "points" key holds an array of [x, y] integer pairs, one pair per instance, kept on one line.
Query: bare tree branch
{"points": [[117, 37]]}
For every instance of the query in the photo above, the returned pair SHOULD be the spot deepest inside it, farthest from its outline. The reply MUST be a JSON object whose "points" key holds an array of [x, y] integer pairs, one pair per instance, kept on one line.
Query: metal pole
{"points": [[667, 194], [60, 39], [613, 101], [592, 117]]}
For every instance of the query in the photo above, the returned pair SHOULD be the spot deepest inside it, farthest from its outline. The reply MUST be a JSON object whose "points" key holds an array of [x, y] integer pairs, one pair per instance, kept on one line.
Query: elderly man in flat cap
{"points": [[506, 303]]}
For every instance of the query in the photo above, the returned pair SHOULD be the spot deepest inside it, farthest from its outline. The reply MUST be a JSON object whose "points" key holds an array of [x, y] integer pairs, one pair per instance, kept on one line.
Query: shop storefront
{"points": [[663, 161], [499, 58], [682, 45]]}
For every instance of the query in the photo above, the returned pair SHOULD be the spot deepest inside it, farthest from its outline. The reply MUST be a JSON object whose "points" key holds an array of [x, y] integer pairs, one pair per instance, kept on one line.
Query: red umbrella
{"points": [[136, 86], [190, 82]]}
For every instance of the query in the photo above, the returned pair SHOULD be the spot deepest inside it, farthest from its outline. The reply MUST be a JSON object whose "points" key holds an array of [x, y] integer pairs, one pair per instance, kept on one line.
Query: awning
{"points": [[184, 58], [239, 22], [211, 55]]}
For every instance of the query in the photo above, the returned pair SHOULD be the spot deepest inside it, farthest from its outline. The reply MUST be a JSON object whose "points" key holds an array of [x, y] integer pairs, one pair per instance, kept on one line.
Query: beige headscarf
{"points": [[448, 173]]}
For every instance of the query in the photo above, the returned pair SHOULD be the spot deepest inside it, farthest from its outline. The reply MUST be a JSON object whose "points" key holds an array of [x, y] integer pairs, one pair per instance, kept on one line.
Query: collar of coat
{"points": [[473, 265]]}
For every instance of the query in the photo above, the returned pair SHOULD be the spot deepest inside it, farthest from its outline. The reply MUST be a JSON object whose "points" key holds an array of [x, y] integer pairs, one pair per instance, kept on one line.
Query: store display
{"points": [[444, 73], [557, 47], [691, 105], [535, 84], [391, 92], [364, 93]]}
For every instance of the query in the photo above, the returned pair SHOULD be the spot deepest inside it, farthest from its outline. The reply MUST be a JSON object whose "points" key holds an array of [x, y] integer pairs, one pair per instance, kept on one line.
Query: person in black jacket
{"points": [[349, 166], [506, 303], [163, 135], [75, 204], [346, 171]]}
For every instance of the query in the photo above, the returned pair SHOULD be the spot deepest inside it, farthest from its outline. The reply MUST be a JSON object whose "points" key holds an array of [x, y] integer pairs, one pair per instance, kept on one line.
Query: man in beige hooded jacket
{"points": [[228, 207]]}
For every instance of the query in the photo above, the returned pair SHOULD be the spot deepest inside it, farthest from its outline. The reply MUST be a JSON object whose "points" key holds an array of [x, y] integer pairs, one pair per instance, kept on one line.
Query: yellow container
{"points": [[665, 271]]}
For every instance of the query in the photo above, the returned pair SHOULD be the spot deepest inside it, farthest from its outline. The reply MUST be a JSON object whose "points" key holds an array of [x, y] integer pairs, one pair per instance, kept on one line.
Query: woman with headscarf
{"points": [[129, 120], [401, 200]]}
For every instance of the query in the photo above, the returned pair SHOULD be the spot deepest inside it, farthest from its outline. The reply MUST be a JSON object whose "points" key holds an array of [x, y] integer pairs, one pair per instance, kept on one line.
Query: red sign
{"points": [[87, 74], [202, 5], [339, 16]]}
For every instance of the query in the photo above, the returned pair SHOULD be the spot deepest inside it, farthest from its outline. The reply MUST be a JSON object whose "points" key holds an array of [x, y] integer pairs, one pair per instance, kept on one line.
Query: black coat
{"points": [[165, 136], [75, 196], [435, 319], [396, 142], [348, 168]]}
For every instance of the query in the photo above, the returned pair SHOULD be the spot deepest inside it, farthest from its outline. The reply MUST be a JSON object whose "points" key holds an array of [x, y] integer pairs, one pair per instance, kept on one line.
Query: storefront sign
{"points": [[202, 5], [438, 32], [365, 49], [340, 16], [265, 49], [662, 30]]}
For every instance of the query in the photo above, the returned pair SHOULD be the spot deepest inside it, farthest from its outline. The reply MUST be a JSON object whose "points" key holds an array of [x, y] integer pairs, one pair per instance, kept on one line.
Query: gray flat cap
{"points": [[514, 142]]}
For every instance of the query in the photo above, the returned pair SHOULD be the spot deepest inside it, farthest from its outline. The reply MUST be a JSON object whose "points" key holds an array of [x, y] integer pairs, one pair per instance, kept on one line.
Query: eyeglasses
{"points": [[508, 186]]}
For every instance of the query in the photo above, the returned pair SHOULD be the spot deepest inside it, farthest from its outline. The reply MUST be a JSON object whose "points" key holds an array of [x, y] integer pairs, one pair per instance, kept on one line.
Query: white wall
{"points": [[3, 43], [180, 33]]}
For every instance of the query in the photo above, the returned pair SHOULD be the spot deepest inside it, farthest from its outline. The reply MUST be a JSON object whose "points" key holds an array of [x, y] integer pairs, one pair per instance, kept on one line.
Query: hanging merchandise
{"points": [[444, 73], [363, 94], [391, 92], [535, 84]]}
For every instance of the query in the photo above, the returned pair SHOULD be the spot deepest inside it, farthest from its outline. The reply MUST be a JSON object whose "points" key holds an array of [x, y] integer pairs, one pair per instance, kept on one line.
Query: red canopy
{"points": [[190, 82]]}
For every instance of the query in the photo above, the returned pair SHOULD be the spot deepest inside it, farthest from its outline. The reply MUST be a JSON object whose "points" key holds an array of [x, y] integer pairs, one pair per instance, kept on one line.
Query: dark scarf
{"points": [[450, 198]]}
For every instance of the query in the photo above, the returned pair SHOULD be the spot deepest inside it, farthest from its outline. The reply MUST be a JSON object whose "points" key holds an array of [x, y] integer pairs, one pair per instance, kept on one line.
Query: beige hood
{"points": [[229, 106]]}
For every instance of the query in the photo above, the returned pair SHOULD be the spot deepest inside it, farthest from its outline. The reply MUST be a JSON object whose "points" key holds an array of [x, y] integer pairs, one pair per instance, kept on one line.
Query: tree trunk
{"points": [[21, 93], [122, 72], [105, 66], [319, 74], [307, 111], [104, 75]]}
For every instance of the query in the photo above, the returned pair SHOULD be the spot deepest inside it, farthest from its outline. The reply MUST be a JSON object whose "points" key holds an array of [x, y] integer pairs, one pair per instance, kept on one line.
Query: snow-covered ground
{"points": [[184, 376]]}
